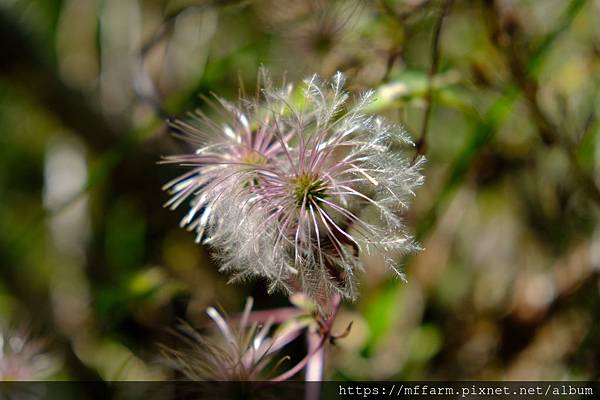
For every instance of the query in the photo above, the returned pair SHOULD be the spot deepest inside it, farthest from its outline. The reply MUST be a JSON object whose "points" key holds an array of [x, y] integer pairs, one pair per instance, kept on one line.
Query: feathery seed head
{"points": [[237, 351], [332, 186]]}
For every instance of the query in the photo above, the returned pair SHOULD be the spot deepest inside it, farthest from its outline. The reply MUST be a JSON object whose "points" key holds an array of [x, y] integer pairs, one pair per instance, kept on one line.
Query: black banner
{"points": [[298, 390]]}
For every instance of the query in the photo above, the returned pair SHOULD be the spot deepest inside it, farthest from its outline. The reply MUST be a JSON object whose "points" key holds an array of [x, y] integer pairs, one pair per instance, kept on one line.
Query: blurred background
{"points": [[502, 97]]}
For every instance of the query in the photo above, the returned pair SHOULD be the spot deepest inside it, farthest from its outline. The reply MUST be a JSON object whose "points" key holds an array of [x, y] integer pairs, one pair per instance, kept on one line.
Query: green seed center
{"points": [[307, 187]]}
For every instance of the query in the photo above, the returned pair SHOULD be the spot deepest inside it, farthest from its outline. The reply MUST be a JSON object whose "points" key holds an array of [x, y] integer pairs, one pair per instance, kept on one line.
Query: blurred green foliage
{"points": [[507, 284]]}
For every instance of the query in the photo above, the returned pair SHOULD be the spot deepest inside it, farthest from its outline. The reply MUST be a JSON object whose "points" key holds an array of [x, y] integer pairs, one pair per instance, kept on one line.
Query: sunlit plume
{"points": [[326, 183], [237, 350]]}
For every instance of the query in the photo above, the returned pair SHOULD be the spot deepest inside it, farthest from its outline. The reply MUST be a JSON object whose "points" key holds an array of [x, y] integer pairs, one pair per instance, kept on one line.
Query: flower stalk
{"points": [[293, 188]]}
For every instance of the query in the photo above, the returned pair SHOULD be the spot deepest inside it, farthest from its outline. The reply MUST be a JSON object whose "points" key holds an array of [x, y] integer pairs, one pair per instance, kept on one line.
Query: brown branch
{"points": [[421, 144], [507, 39], [143, 84]]}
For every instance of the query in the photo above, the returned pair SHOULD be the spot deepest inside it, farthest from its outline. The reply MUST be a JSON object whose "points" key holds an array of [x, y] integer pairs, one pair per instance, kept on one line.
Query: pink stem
{"points": [[314, 369], [298, 367], [315, 348], [275, 316]]}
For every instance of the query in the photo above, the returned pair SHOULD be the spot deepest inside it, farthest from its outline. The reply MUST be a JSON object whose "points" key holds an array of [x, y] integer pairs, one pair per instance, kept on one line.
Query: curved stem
{"points": [[317, 347], [276, 316], [298, 367]]}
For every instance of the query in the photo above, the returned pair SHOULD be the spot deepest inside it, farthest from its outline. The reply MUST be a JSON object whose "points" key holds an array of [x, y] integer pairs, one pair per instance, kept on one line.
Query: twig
{"points": [[485, 130], [421, 144], [143, 84], [401, 16], [526, 80]]}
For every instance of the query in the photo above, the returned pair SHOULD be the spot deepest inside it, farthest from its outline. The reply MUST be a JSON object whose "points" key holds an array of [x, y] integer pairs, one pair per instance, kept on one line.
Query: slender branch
{"points": [[528, 84], [490, 122], [421, 144], [143, 84]]}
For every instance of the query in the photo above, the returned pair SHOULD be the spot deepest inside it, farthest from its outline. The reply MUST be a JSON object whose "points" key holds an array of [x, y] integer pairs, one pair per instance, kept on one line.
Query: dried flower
{"points": [[239, 351], [336, 187]]}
